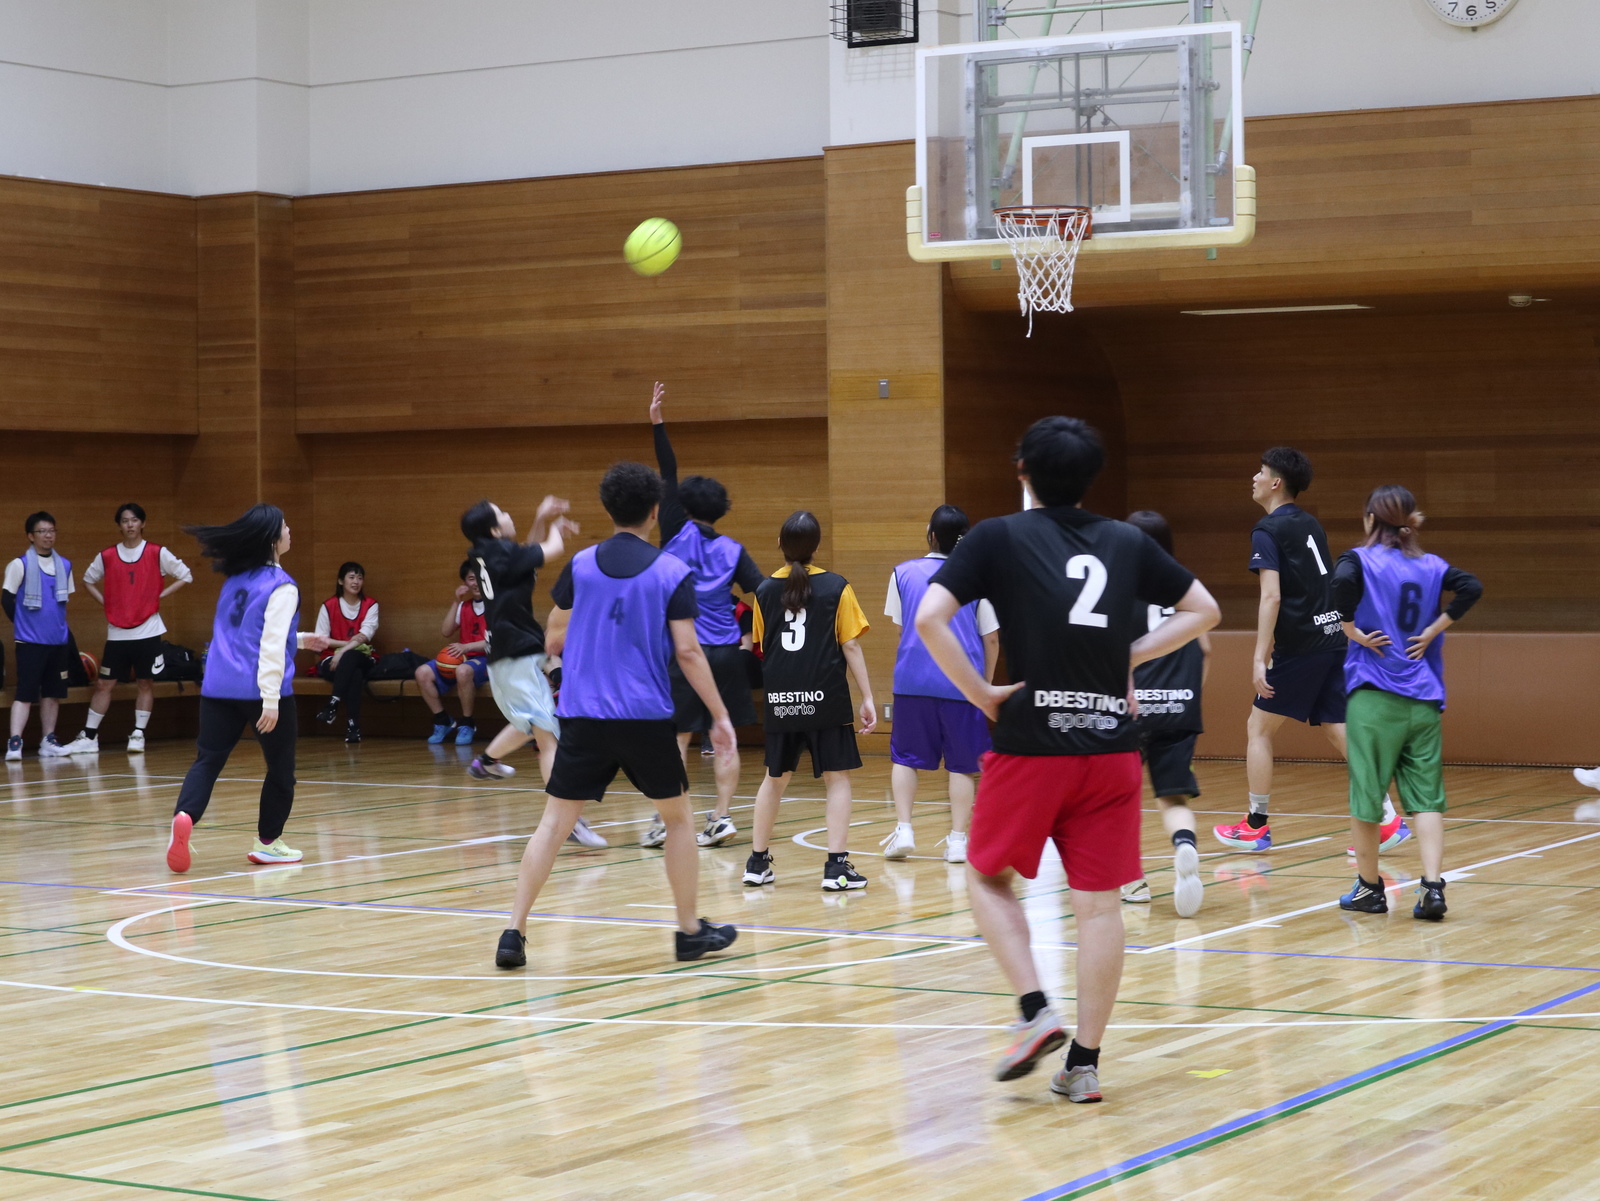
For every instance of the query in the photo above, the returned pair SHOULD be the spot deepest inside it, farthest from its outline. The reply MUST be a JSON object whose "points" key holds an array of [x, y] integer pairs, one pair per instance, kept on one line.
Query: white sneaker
{"points": [[1589, 811], [278, 852], [50, 748], [14, 750], [1589, 777], [1137, 893], [82, 745], [655, 835], [1188, 894], [585, 837], [900, 843], [955, 847], [718, 830], [1080, 1084], [135, 742]]}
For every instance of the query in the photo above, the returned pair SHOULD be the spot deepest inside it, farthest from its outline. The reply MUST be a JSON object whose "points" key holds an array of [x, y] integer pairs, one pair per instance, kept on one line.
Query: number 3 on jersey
{"points": [[795, 636], [1093, 574]]}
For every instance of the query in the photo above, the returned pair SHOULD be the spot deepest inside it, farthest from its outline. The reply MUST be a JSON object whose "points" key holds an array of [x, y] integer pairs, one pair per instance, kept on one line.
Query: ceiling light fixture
{"points": [[1287, 308]]}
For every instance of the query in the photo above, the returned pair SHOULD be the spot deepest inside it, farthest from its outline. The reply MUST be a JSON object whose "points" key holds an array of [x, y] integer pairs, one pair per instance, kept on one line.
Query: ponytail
{"points": [[1395, 520], [797, 542]]}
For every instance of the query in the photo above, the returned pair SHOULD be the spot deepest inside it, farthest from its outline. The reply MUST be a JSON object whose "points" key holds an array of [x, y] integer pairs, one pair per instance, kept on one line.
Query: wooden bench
{"points": [[122, 692], [316, 686]]}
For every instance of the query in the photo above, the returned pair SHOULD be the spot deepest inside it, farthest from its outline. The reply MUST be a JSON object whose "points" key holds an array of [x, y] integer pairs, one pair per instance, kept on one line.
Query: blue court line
{"points": [[1139, 1164]]}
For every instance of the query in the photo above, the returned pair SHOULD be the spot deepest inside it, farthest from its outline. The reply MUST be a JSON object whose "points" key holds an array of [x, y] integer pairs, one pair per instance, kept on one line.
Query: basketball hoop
{"points": [[1044, 239]]}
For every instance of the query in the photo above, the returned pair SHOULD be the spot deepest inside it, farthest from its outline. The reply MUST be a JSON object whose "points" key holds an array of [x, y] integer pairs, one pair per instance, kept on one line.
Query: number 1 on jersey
{"points": [[1316, 554]]}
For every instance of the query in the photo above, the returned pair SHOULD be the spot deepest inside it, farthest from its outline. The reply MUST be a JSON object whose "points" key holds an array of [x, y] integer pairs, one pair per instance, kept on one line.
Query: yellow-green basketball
{"points": [[653, 247]]}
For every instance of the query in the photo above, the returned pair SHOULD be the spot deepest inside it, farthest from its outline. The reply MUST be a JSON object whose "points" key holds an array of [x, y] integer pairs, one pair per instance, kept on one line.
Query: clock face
{"points": [[1471, 13]]}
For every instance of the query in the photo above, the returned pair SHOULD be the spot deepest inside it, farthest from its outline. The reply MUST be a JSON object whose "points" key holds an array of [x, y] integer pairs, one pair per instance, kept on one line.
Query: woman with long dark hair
{"points": [[807, 622], [249, 678], [349, 621], [1388, 593]]}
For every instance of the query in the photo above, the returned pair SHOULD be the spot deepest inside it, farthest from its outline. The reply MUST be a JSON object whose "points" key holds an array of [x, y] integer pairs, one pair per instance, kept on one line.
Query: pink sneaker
{"points": [[1244, 836], [178, 857]]}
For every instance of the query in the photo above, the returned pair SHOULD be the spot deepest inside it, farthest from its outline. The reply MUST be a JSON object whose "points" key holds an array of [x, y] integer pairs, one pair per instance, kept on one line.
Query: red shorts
{"points": [[1088, 804]]}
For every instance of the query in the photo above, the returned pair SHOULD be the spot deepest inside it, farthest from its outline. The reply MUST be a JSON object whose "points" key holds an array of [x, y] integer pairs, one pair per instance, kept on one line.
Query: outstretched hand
{"points": [[657, 394], [316, 642], [551, 506]]}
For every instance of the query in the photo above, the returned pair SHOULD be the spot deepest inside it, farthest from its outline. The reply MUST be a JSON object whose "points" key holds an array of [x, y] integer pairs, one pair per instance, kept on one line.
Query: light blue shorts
{"points": [[523, 694]]}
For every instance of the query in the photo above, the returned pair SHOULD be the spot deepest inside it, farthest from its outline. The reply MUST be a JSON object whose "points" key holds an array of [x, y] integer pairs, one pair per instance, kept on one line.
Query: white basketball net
{"points": [[1044, 239]]}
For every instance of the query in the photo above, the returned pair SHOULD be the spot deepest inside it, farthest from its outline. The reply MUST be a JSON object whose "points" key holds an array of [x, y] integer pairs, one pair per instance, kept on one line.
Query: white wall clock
{"points": [[1470, 14]]}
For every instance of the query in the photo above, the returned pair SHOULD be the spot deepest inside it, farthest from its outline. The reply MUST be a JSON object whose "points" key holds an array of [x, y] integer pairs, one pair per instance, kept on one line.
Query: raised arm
{"points": [[672, 518]]}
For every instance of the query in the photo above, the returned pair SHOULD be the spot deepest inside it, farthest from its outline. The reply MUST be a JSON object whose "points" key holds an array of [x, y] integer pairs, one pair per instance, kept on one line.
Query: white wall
{"points": [[295, 96]]}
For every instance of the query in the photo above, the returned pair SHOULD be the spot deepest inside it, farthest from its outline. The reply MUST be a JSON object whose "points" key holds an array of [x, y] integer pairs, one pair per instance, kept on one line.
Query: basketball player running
{"points": [[932, 720], [34, 594], [1298, 670], [1168, 692], [249, 679], [506, 574], [623, 610], [1388, 592], [465, 622], [814, 621], [132, 572], [689, 513], [1067, 585]]}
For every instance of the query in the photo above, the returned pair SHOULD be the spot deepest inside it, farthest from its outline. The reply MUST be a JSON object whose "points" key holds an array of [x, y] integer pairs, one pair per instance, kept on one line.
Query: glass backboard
{"points": [[1142, 126]]}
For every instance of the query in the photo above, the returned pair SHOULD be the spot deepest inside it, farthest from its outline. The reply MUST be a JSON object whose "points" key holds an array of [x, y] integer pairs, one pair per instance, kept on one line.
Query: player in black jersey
{"points": [[1068, 588], [1298, 670], [1168, 691]]}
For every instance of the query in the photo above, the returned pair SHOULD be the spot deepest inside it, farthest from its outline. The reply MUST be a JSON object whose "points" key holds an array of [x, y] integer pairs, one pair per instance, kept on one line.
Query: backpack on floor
{"points": [[401, 665], [177, 663]]}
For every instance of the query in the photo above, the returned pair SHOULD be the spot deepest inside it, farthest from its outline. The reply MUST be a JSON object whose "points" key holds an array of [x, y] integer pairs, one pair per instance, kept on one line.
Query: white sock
{"points": [[1258, 802], [141, 718], [1388, 809], [903, 828], [92, 722]]}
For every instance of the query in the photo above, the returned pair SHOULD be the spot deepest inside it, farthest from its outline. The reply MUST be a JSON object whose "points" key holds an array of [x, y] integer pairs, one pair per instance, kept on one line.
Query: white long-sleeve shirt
{"points": [[283, 607]]}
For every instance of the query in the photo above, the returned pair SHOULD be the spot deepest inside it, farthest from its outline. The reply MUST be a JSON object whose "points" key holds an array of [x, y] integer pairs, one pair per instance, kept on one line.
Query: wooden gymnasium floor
{"points": [[337, 1029]]}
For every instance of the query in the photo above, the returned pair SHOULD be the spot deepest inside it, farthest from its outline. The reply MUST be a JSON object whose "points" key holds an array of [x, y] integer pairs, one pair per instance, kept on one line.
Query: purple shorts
{"points": [[930, 728]]}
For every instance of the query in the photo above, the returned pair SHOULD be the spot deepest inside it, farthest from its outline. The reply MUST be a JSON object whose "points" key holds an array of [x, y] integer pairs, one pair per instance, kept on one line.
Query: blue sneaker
{"points": [[465, 732], [441, 731]]}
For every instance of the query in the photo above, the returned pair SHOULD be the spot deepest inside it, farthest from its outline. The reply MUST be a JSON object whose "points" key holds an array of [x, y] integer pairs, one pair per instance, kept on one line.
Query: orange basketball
{"points": [[91, 666], [447, 661]]}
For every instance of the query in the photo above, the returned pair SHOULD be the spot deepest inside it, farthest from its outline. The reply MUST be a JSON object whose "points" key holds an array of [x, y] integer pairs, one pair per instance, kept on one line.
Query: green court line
{"points": [[154, 1188]]}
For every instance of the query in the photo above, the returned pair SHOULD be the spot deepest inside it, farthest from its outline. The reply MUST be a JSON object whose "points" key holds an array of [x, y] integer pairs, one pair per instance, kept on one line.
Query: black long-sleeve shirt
{"points": [[1349, 585], [674, 517]]}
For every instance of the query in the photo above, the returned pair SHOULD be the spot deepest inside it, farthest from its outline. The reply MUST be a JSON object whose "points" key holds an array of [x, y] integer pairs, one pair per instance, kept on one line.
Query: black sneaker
{"points": [[692, 946], [352, 733], [329, 713], [840, 875], [758, 869], [1430, 906], [1365, 898], [512, 951]]}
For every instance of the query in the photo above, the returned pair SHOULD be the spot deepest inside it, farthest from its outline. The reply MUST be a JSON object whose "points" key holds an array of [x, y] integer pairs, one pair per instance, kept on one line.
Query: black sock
{"points": [[838, 856], [467, 723], [1082, 1057], [441, 719], [1439, 883], [1255, 820], [1375, 885], [1031, 1004], [1183, 836], [487, 759]]}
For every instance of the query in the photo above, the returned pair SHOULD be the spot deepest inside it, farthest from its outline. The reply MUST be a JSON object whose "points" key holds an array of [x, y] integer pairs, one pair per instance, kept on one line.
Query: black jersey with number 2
{"points": [[1308, 620], [1068, 587]]}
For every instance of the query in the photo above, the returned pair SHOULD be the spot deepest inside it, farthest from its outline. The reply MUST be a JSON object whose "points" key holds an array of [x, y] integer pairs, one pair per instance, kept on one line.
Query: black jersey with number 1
{"points": [[1290, 541], [1067, 586]]}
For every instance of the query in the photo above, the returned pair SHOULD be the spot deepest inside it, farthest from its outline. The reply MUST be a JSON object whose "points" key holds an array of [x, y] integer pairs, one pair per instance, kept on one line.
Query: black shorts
{"points": [[592, 750], [1169, 755], [1308, 688], [689, 713], [130, 659], [42, 671], [832, 749]]}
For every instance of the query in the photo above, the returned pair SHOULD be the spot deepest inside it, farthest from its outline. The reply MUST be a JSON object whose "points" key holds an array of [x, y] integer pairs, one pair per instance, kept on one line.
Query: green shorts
{"points": [[1393, 737]]}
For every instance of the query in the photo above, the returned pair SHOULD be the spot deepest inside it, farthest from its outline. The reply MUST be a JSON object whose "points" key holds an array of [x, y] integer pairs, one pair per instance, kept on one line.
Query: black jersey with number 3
{"points": [[1068, 587], [804, 683], [1308, 621]]}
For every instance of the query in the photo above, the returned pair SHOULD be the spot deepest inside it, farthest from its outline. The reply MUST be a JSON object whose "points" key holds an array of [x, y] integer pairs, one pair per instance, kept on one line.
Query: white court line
{"points": [[116, 937], [1454, 874], [574, 1020]]}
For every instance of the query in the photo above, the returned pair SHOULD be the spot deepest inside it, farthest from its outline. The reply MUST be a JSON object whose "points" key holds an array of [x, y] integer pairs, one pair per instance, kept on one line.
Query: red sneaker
{"points": [[1244, 836], [1390, 835], [178, 844]]}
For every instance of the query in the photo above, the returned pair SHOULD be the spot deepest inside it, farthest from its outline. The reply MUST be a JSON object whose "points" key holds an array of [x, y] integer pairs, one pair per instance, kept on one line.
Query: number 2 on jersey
{"points": [[1093, 574]]}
